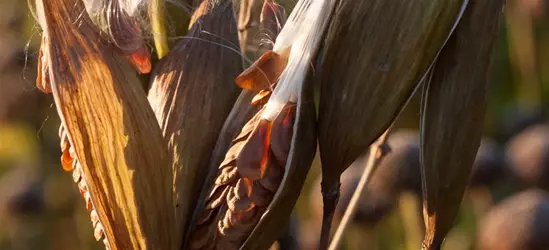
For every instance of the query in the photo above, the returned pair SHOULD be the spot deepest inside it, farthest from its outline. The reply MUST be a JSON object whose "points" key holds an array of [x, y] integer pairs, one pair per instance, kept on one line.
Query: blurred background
{"points": [[505, 207]]}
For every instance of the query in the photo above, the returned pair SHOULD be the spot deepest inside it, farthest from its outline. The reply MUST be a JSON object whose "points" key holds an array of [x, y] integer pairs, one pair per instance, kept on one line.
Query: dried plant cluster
{"points": [[214, 156]]}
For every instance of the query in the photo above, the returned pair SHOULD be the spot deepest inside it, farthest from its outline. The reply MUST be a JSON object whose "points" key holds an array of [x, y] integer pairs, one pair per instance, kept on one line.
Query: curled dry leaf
{"points": [[192, 93], [109, 135], [453, 108]]}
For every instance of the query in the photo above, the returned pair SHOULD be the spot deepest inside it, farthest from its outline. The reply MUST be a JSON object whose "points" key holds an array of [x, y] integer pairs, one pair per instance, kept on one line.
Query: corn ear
{"points": [[192, 93], [452, 118], [109, 131]]}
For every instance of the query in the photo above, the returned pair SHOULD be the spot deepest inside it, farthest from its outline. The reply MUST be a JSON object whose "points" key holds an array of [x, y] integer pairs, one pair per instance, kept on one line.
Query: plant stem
{"points": [[377, 152], [160, 35], [330, 197]]}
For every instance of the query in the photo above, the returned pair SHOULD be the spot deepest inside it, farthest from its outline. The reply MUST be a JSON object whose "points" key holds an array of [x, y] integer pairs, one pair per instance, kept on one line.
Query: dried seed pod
{"points": [[109, 133], [527, 154], [452, 118], [255, 171], [192, 92], [375, 55], [262, 173], [520, 222], [489, 166]]}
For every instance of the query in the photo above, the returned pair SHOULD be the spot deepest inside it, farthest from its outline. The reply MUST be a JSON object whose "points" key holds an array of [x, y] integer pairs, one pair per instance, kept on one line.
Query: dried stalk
{"points": [[378, 150]]}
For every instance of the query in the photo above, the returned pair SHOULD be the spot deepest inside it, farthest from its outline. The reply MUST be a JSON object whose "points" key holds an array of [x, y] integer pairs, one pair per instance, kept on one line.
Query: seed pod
{"points": [[260, 177], [520, 222], [192, 92], [375, 54], [452, 118], [527, 154], [490, 166], [109, 133]]}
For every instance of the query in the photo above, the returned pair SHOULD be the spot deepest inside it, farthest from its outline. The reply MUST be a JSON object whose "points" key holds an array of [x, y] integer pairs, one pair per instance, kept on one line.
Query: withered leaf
{"points": [[452, 118]]}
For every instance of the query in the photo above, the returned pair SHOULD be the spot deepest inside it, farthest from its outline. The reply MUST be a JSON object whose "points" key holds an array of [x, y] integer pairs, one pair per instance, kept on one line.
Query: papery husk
{"points": [[238, 158], [111, 129], [192, 93], [302, 151], [375, 54], [452, 118]]}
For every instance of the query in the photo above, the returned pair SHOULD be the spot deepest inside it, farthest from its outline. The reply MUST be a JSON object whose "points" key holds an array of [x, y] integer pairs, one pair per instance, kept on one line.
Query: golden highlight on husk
{"points": [[453, 108], [109, 136], [69, 162]]}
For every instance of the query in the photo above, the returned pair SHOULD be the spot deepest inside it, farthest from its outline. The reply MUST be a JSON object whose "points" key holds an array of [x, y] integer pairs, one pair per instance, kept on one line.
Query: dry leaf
{"points": [[109, 132], [192, 94], [453, 108]]}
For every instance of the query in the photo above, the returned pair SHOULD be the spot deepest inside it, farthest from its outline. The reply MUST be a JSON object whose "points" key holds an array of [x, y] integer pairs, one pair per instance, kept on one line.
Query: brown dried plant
{"points": [[199, 167]]}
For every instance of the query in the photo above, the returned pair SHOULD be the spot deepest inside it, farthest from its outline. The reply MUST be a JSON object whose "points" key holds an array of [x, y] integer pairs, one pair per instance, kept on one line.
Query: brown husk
{"points": [[112, 130], [375, 54], [192, 94], [453, 108]]}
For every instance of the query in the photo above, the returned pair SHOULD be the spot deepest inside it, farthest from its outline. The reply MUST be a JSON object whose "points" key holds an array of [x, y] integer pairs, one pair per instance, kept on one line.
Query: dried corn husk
{"points": [[192, 93], [453, 108], [375, 55], [109, 134]]}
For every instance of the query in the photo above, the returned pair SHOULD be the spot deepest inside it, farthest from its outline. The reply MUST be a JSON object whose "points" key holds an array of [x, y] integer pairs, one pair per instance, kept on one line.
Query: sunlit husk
{"points": [[111, 129], [302, 151], [376, 52], [192, 93], [453, 109]]}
